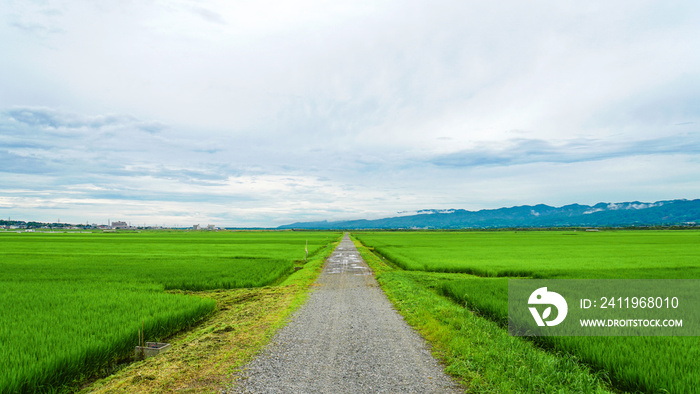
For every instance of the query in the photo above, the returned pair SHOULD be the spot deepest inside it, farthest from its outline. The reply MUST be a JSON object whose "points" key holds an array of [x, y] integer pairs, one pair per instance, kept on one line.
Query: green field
{"points": [[73, 303], [481, 262], [545, 254]]}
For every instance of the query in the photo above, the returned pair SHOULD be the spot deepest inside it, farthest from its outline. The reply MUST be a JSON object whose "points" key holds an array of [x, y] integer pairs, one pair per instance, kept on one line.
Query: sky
{"points": [[263, 113]]}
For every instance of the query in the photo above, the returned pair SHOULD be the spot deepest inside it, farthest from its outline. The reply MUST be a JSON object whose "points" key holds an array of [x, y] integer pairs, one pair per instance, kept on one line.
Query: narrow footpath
{"points": [[347, 338]]}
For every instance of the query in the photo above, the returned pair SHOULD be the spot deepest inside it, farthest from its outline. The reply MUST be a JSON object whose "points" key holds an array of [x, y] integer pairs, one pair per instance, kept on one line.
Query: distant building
{"points": [[119, 225], [211, 227], [196, 227]]}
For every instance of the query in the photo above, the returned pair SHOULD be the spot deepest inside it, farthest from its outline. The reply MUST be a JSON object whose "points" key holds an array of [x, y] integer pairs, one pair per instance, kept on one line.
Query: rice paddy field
{"points": [[472, 269], [71, 304]]}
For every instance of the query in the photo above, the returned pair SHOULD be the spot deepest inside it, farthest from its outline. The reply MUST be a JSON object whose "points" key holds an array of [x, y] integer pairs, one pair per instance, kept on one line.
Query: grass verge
{"points": [[476, 351], [208, 357]]}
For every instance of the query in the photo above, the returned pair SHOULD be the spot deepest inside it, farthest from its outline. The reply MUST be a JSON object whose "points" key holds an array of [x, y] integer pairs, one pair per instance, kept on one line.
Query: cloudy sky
{"points": [[262, 113]]}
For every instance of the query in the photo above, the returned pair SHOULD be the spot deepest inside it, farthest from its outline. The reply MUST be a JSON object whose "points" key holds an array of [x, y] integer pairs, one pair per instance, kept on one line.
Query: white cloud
{"points": [[266, 112]]}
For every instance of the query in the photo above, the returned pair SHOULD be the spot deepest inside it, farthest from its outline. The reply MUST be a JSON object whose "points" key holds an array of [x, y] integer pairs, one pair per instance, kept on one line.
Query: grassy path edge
{"points": [[207, 358], [477, 352]]}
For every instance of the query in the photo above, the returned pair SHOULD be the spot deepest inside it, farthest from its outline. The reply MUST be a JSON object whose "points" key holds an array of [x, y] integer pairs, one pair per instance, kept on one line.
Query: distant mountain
{"points": [[664, 213]]}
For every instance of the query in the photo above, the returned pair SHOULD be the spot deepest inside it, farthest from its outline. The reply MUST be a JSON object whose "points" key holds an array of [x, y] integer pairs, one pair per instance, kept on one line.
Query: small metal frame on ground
{"points": [[151, 349]]}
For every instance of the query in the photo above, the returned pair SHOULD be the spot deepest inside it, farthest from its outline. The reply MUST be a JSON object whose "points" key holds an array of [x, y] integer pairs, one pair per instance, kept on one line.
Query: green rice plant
{"points": [[54, 332], [71, 304], [544, 254], [645, 364], [180, 260]]}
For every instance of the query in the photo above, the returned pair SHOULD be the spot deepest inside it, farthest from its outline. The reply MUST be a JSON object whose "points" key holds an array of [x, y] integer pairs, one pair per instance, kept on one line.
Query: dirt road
{"points": [[346, 339]]}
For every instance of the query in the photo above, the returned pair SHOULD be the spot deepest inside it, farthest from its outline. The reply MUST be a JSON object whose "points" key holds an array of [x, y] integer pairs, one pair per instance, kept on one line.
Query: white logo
{"points": [[543, 297]]}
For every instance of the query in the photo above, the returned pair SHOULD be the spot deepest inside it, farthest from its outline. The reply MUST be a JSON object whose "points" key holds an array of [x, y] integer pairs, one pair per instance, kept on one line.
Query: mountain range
{"points": [[625, 214]]}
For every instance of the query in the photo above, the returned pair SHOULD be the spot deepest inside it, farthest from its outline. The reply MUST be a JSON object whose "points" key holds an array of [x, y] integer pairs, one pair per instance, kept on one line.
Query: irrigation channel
{"points": [[347, 338]]}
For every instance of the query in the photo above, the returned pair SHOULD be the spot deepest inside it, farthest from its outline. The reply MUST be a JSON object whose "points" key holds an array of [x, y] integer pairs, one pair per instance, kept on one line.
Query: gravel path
{"points": [[346, 339]]}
